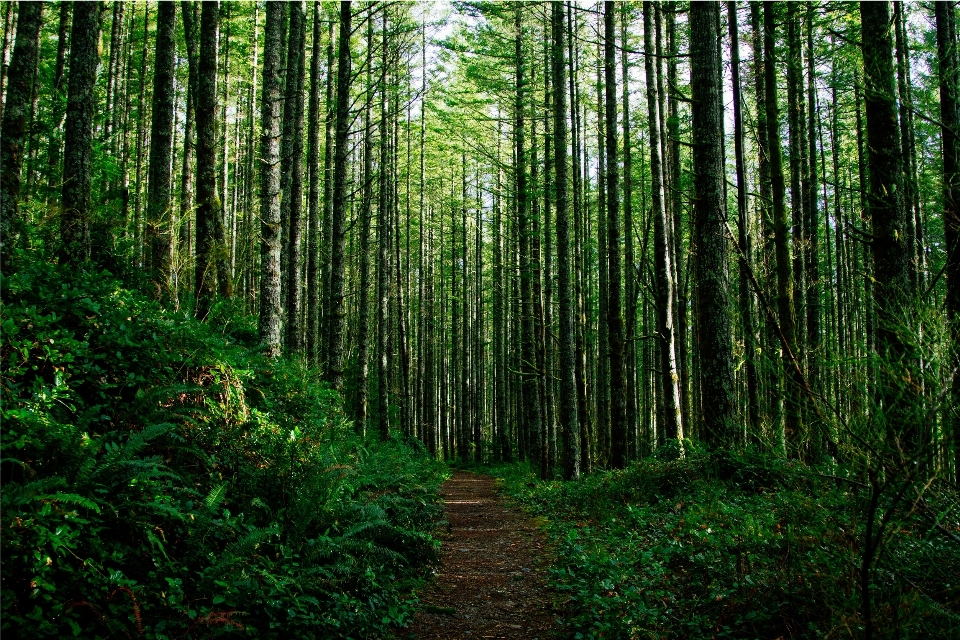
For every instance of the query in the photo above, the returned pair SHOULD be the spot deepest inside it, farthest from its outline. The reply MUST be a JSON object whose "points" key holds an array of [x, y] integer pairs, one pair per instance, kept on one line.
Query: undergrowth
{"points": [[163, 480], [736, 545]]}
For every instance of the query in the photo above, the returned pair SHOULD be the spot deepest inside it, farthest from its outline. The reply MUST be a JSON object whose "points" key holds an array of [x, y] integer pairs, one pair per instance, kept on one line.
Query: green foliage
{"points": [[161, 479], [738, 545]]}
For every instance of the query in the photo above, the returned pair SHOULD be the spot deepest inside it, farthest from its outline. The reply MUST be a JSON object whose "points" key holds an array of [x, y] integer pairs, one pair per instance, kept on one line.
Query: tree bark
{"points": [[78, 135], [270, 307], [161, 149], [709, 235], [14, 123], [55, 144], [366, 213], [743, 238], [663, 251], [338, 231], [209, 216], [293, 198], [785, 309], [614, 319], [313, 199], [947, 67], [886, 207], [569, 422]]}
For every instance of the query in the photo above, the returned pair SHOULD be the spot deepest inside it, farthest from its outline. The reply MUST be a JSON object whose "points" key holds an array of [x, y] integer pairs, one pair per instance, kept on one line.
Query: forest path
{"points": [[492, 572]]}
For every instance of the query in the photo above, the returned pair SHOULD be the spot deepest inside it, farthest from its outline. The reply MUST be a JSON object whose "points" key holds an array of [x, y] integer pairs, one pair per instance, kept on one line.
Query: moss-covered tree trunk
{"points": [[209, 219], [886, 207], [78, 135], [709, 232], [14, 124], [161, 149], [338, 227]]}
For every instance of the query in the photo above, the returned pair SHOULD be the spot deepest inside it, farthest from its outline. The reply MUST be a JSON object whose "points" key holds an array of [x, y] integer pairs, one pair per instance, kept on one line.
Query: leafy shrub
{"points": [[161, 479], [737, 545]]}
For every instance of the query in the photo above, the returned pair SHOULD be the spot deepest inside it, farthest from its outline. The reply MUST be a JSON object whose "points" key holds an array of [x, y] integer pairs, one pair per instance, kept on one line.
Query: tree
{"points": [[161, 149], [709, 234], [567, 414], [14, 123], [743, 239], [209, 213], [887, 211], [781, 230], [663, 251], [269, 168], [78, 135], [947, 69], [314, 266], [614, 319], [291, 203], [339, 215]]}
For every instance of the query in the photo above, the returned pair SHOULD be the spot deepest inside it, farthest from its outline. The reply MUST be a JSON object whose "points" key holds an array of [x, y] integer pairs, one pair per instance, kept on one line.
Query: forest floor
{"points": [[492, 576]]}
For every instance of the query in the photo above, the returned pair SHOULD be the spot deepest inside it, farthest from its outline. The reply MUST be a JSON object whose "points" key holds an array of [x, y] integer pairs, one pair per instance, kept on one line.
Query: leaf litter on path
{"points": [[491, 580]]}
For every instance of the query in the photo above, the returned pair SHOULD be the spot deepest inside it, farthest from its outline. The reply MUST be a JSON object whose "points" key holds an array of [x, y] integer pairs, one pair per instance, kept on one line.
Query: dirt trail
{"points": [[492, 572]]}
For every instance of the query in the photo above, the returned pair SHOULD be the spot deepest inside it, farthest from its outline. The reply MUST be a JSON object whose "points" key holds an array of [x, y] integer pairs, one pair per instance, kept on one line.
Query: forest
{"points": [[298, 298]]}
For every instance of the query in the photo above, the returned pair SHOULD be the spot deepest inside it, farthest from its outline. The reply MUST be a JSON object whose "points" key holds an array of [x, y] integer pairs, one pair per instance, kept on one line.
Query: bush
{"points": [[738, 545], [161, 479]]}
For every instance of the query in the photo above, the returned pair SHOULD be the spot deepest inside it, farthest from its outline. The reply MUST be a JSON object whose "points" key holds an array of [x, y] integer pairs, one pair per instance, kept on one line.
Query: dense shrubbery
{"points": [[737, 545], [161, 479]]}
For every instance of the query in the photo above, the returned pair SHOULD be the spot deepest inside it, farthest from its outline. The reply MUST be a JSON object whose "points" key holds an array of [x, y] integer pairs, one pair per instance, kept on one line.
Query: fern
{"points": [[15, 495], [242, 549], [216, 496]]}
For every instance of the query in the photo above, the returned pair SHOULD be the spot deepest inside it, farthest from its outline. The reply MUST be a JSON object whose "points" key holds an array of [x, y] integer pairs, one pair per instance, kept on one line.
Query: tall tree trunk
{"points": [[743, 237], [78, 135], [577, 209], [602, 361], [781, 230], [383, 263], [532, 414], [366, 213], [569, 422], [796, 125], [137, 222], [663, 251], [675, 210], [945, 15], [338, 230], [887, 211], [208, 200], [313, 199], [270, 106], [55, 144], [14, 123], [618, 391], [812, 262], [161, 148], [189, 11], [326, 239], [9, 28], [293, 197], [629, 288], [709, 235]]}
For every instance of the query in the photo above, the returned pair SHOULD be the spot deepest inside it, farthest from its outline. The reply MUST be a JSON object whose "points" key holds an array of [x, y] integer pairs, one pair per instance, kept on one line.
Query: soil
{"points": [[491, 580]]}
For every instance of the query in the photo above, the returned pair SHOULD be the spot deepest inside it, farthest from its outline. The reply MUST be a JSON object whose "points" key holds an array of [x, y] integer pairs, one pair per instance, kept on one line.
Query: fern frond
{"points": [[216, 496]]}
